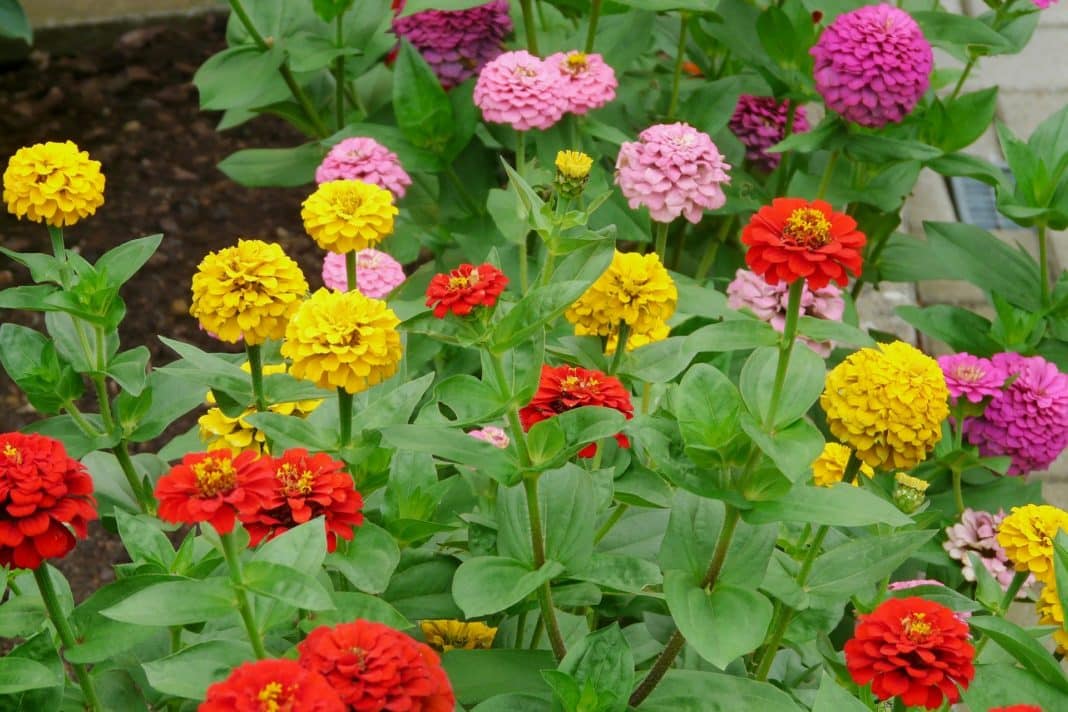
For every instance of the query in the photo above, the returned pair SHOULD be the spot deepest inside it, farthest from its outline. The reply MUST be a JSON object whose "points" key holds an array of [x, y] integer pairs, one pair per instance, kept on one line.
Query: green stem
{"points": [[537, 542], [660, 237], [528, 26], [339, 74], [144, 498], [60, 252], [680, 57], [828, 171], [521, 168], [677, 640], [785, 158], [786, 346], [535, 636], [963, 77], [591, 33], [680, 247], [233, 564], [958, 496], [871, 260], [709, 258], [350, 271], [1043, 263], [1018, 580], [255, 367], [76, 415], [344, 416], [520, 628], [66, 634], [612, 520], [621, 347], [465, 195]]}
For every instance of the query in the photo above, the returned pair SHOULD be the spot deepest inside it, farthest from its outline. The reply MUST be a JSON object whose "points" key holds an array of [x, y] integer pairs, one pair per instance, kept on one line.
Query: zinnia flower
{"points": [[1028, 420], [794, 239], [491, 434], [518, 89], [759, 122], [272, 686], [568, 387], [635, 290], [829, 468], [247, 291], [1044, 4], [214, 487], [446, 635], [916, 583], [343, 340], [913, 649], [54, 183], [770, 302], [672, 169], [888, 404], [971, 377], [46, 500], [1027, 535], [1017, 708], [1050, 612], [366, 160], [977, 532], [584, 80], [572, 173], [375, 668], [456, 44], [307, 486], [872, 65], [465, 288], [346, 215], [377, 274]]}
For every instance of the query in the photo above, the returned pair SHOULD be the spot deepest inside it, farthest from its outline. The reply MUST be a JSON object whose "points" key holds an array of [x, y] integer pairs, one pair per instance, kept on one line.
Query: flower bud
{"points": [[909, 492], [572, 173]]}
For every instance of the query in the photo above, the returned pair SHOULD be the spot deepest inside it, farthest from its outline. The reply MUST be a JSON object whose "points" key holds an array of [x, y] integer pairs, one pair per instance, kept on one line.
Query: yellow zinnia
{"points": [[54, 183], [636, 290], [348, 215], [446, 635], [888, 404], [829, 468], [1050, 612], [343, 340], [573, 164], [1027, 536], [247, 291]]}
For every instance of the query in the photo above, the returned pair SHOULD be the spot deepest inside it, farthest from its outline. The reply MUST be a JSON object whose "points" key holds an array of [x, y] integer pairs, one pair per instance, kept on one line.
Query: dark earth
{"points": [[129, 100]]}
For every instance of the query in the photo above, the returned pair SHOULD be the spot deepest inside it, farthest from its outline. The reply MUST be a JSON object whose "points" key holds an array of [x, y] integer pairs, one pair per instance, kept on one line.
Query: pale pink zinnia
{"points": [[491, 434], [672, 169], [872, 65], [456, 44], [1028, 419], [364, 159], [377, 274], [769, 302], [976, 532], [518, 89], [971, 377], [916, 583], [584, 80], [759, 122]]}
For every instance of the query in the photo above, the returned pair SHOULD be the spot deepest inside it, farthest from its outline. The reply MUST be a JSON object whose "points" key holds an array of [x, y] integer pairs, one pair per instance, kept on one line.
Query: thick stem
{"points": [[60, 252], [828, 171], [793, 311], [680, 57], [660, 237], [958, 495], [144, 498], [1043, 263], [591, 33], [233, 564], [528, 26], [521, 169], [66, 634], [963, 77], [255, 367], [621, 347], [339, 74], [709, 258], [344, 417], [350, 271], [537, 542]]}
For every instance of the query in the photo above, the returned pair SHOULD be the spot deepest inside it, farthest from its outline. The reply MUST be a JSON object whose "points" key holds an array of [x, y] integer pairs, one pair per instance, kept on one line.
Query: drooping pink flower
{"points": [[584, 80], [915, 583], [976, 532], [971, 377], [1028, 420], [364, 159], [769, 302], [456, 44], [872, 65], [1044, 4], [518, 89], [377, 274], [759, 122], [672, 169], [491, 434]]}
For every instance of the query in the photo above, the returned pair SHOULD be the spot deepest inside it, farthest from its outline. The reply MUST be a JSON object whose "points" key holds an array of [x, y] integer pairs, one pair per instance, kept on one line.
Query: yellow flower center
{"points": [[916, 628], [808, 227], [12, 453], [348, 202], [523, 71], [576, 62], [269, 697], [968, 373], [459, 281], [294, 482], [214, 476]]}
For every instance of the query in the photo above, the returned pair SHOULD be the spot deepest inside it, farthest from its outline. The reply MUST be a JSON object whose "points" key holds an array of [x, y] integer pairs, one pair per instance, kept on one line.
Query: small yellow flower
{"points": [[888, 404], [574, 165], [635, 289], [348, 215], [1027, 536], [247, 291], [829, 468], [445, 635], [54, 183], [1050, 612], [343, 340]]}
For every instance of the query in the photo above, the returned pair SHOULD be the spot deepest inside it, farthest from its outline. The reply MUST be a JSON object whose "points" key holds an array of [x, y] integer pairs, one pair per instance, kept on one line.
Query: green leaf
{"points": [[969, 251], [13, 21], [832, 697], [101, 638], [478, 675], [286, 584], [286, 431], [490, 584], [130, 369], [143, 538], [722, 625], [43, 268], [884, 149], [660, 361], [34, 365], [792, 449], [349, 606], [512, 702], [708, 407], [698, 691], [273, 167], [967, 117], [1002, 685], [189, 672], [733, 335], [603, 661], [175, 603], [837, 331], [31, 297], [422, 109], [239, 77], [20, 674], [954, 32], [841, 505], [368, 561], [1028, 652], [961, 328], [327, 10], [533, 312], [803, 384], [456, 446], [121, 263], [848, 569], [620, 572]]}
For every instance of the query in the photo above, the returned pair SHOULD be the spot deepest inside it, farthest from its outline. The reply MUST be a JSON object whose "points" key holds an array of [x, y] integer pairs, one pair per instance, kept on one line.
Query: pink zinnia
{"points": [[977, 533], [377, 274], [672, 169], [1028, 420], [367, 160], [769, 302], [456, 44], [971, 377], [1043, 4], [872, 65], [585, 81], [915, 583], [759, 122], [518, 89], [493, 435]]}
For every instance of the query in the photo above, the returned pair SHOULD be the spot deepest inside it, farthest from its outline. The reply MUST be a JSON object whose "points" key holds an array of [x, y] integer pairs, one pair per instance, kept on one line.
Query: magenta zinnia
{"points": [[759, 122]]}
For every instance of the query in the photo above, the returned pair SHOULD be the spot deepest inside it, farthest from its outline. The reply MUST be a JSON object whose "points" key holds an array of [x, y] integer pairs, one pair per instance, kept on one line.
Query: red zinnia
{"points": [[307, 486], [1016, 708], [568, 387], [214, 487], [272, 686], [465, 288], [793, 239], [911, 648], [44, 493], [374, 667]]}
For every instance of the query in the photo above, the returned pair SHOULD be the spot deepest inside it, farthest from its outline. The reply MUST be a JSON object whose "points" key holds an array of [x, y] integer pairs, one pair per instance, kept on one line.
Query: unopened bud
{"points": [[572, 172], [909, 492]]}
